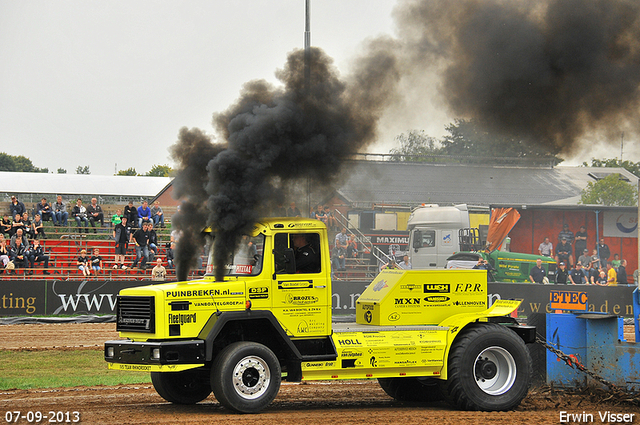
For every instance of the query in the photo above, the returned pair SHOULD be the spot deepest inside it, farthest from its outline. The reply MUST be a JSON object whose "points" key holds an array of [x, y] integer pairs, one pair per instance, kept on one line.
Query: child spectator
{"points": [[96, 261], [83, 263], [121, 236], [616, 261], [602, 279], [28, 228], [38, 228], [116, 218], [159, 272], [36, 254], [6, 225]]}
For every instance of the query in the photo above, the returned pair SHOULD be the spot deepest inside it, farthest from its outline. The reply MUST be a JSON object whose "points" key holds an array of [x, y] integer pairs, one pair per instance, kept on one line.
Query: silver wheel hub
{"points": [[251, 377], [495, 370]]}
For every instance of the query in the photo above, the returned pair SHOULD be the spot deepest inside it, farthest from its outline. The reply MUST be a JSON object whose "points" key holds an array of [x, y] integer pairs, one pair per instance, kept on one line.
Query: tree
{"points": [[413, 145], [128, 172], [610, 191], [83, 170], [160, 171], [19, 164], [62, 171], [632, 167]]}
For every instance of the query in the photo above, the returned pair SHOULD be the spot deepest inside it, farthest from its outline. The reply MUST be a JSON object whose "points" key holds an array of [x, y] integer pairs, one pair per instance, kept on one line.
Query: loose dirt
{"points": [[347, 402]]}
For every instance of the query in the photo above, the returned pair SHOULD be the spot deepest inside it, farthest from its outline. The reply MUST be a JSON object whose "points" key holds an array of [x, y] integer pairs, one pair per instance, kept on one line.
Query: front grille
{"points": [[136, 314]]}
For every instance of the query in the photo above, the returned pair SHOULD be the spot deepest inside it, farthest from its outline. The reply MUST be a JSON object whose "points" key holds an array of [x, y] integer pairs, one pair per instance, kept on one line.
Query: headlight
{"points": [[155, 354]]}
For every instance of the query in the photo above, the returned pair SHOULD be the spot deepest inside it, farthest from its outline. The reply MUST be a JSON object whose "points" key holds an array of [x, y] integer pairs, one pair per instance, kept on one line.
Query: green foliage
{"points": [[128, 172], [62, 171], [83, 170], [611, 191], [160, 171], [417, 142], [632, 167], [19, 164]]}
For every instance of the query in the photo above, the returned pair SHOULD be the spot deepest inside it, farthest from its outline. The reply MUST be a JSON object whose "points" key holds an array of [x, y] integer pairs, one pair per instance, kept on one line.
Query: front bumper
{"points": [[157, 353]]}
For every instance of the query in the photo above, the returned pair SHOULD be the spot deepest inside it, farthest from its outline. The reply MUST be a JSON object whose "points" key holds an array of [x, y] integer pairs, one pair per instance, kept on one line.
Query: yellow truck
{"points": [[424, 335]]}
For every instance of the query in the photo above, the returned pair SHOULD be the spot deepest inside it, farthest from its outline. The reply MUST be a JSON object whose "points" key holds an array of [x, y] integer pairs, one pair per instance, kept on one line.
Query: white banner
{"points": [[620, 225]]}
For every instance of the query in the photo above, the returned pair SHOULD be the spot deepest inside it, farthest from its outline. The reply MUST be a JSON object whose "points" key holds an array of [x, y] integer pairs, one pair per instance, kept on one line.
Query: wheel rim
{"points": [[251, 377], [495, 370]]}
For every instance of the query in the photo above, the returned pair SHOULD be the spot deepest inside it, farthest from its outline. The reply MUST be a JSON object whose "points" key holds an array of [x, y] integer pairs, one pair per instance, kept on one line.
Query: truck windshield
{"points": [[247, 260]]}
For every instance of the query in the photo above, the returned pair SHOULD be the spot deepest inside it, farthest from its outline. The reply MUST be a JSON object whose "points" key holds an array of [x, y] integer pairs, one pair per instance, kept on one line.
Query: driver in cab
{"points": [[307, 259]]}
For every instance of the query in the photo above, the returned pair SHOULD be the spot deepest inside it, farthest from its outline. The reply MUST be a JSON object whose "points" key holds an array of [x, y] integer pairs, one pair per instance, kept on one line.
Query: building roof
{"points": [[82, 184], [402, 183]]}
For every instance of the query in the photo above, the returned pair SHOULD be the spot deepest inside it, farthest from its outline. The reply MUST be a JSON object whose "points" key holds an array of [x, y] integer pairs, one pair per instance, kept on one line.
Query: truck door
{"points": [[423, 250], [447, 245], [302, 289]]}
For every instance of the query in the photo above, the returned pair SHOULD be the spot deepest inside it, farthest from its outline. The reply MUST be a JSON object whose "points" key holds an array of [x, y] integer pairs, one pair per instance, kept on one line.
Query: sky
{"points": [[109, 84]]}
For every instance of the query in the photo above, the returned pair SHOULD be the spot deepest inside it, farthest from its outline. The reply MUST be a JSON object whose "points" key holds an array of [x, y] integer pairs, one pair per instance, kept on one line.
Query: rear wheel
{"points": [[186, 387], [489, 369], [411, 389], [245, 377]]}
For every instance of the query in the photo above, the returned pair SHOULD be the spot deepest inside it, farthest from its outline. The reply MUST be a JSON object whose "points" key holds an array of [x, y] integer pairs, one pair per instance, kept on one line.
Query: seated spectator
{"points": [[19, 253], [60, 214], [35, 255], [116, 218], [352, 247], [584, 259], [319, 213], [293, 211], [19, 235], [159, 272], [83, 263], [17, 224], [131, 213], [79, 212], [94, 212], [96, 261], [546, 248], [28, 227], [330, 220], [6, 225], [4, 252], [602, 278], [622, 273], [16, 207], [170, 254], [577, 276], [157, 214], [38, 228], [44, 209], [144, 213], [564, 252]]}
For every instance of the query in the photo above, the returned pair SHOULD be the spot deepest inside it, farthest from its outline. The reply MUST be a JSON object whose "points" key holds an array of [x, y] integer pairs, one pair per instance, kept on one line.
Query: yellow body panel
{"points": [[152, 368]]}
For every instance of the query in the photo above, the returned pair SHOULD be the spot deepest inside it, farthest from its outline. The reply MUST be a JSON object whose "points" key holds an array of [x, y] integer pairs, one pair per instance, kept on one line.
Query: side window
{"points": [[301, 248], [428, 238], [281, 243]]}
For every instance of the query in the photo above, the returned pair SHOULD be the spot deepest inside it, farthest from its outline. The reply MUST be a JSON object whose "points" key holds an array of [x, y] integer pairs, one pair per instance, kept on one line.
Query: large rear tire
{"points": [[245, 377], [186, 387], [418, 390], [489, 369]]}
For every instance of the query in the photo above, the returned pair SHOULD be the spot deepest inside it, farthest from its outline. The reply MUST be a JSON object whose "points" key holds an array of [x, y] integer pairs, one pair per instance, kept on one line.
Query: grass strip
{"points": [[57, 368]]}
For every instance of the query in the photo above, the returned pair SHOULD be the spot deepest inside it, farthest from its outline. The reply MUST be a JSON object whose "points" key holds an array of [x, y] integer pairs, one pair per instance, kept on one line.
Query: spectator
{"points": [[616, 261], [585, 258], [622, 273], [341, 244], [38, 228], [4, 252], [405, 264], [157, 215], [94, 212], [83, 263], [319, 213], [153, 242], [635, 277], [564, 252], [79, 212], [44, 209], [595, 260], [330, 220], [16, 207], [603, 252], [612, 275], [566, 234], [144, 213], [19, 253], [561, 274], [591, 273], [116, 218], [36, 254], [19, 235], [121, 236], [537, 273], [28, 227], [602, 278], [6, 226], [581, 242], [293, 211], [280, 210], [546, 248], [96, 261], [352, 247], [170, 254], [131, 213], [17, 224], [141, 239], [577, 276], [159, 272], [60, 214]]}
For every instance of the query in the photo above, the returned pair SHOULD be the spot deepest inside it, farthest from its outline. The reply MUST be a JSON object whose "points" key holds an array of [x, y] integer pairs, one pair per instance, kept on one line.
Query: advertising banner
{"points": [[620, 224], [21, 298]]}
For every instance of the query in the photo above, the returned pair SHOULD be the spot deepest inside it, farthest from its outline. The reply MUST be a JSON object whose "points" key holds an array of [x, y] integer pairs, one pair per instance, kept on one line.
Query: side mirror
{"points": [[289, 261], [417, 240]]}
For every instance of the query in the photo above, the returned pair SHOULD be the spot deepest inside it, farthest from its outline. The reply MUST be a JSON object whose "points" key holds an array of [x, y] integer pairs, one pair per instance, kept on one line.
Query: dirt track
{"points": [[312, 403]]}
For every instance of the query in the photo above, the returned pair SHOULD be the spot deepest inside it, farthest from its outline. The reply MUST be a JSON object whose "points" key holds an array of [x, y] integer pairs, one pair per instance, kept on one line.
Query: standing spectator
{"points": [[79, 212], [595, 259], [44, 209], [28, 226], [170, 254], [546, 248], [4, 251], [141, 240], [60, 214], [566, 234], [94, 212], [405, 263], [612, 275], [603, 252], [622, 273], [293, 211], [537, 273], [38, 228], [564, 252], [144, 213], [19, 253], [159, 272], [96, 261], [341, 243], [6, 225], [580, 242], [635, 277], [157, 214], [616, 261], [16, 207], [585, 258], [116, 218], [36, 254], [83, 263], [577, 276], [131, 213], [153, 242], [121, 236], [561, 274]]}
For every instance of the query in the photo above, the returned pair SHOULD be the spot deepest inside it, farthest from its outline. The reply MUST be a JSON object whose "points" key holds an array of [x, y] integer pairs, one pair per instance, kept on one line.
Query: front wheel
{"points": [[245, 377], [186, 387], [489, 369]]}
